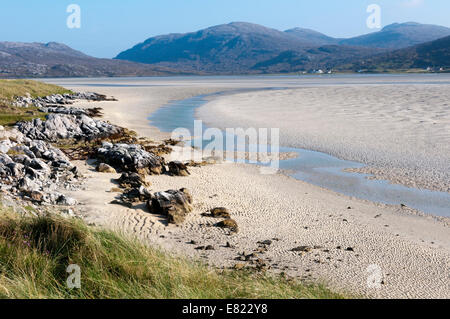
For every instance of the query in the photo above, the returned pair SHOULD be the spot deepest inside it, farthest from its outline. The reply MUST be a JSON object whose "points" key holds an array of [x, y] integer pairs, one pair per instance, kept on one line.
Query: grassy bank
{"points": [[9, 89], [34, 254], [9, 116], [13, 88]]}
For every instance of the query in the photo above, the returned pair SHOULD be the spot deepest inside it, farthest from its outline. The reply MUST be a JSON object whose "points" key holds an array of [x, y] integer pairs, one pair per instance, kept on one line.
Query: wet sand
{"points": [[402, 132]]}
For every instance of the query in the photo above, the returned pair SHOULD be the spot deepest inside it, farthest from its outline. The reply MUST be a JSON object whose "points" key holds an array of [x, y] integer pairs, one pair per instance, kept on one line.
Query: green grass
{"points": [[35, 251], [9, 89], [11, 115]]}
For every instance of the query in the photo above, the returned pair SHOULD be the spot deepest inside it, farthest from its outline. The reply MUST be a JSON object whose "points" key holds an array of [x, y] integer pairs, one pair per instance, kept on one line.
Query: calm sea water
{"points": [[281, 80]]}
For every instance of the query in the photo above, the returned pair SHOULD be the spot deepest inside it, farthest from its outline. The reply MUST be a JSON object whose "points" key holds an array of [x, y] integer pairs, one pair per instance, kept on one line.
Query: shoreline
{"points": [[265, 202]]}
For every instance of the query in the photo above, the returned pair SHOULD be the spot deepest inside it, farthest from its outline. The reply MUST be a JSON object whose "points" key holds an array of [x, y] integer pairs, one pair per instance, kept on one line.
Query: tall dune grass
{"points": [[13, 88], [35, 253]]}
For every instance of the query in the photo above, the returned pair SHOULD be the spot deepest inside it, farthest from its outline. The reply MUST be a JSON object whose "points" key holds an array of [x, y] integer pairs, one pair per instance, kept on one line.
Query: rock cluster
{"points": [[177, 168], [132, 180], [63, 126], [227, 222], [30, 167], [33, 169], [130, 158], [71, 110], [134, 196], [175, 204], [25, 101]]}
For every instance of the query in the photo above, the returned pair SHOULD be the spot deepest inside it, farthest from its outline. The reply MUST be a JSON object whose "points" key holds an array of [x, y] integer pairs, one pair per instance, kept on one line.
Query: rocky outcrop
{"points": [[130, 158], [63, 110], [30, 167], [95, 111], [175, 204], [64, 122], [61, 99], [135, 195], [63, 126], [25, 101], [132, 180], [177, 168], [34, 170]]}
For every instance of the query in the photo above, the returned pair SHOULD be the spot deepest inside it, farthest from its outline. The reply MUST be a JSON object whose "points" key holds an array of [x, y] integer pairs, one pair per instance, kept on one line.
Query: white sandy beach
{"points": [[412, 251]]}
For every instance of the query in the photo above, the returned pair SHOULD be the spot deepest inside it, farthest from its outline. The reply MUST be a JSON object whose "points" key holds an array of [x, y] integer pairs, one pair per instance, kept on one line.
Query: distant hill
{"points": [[228, 48], [434, 54], [393, 36], [18, 59], [399, 35], [319, 58]]}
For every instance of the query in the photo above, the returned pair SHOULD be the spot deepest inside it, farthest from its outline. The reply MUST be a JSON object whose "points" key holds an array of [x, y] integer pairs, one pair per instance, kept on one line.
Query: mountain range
{"points": [[393, 36], [18, 59], [399, 35], [241, 47], [238, 48]]}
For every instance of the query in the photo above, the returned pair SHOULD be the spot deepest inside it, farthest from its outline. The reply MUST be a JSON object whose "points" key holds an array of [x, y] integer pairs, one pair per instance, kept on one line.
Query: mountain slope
{"points": [[18, 59], [399, 35], [325, 57], [435, 54], [233, 48], [312, 37]]}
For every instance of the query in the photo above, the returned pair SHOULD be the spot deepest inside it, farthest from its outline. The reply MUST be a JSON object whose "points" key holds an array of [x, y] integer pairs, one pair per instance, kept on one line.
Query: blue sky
{"points": [[110, 26]]}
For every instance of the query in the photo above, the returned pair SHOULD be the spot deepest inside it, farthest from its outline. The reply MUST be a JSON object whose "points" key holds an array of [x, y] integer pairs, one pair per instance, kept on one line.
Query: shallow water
{"points": [[304, 80], [314, 167]]}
